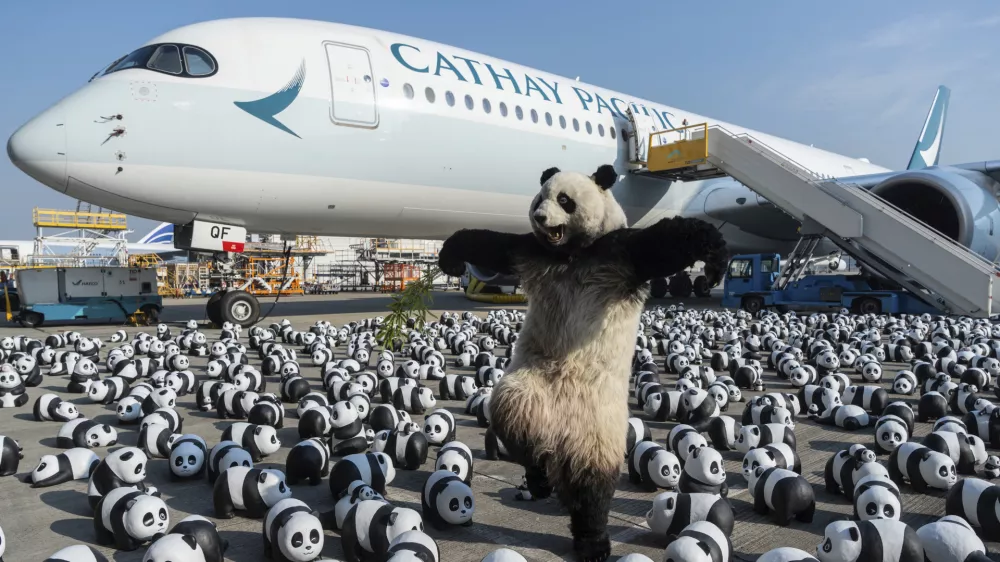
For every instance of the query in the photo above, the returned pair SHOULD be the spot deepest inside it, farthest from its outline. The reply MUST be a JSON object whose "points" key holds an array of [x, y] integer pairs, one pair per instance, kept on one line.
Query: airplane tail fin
{"points": [[928, 147], [162, 234]]}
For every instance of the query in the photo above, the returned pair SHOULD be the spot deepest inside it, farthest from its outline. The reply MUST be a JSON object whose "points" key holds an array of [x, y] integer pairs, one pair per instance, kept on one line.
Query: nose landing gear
{"points": [[233, 306]]}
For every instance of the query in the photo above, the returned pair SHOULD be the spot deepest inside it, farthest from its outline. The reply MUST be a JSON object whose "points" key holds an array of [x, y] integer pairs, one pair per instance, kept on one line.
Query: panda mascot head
{"points": [[573, 210]]}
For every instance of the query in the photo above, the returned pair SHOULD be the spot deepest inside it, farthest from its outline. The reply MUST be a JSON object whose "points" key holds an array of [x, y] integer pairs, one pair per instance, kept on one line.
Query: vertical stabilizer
{"points": [[162, 234], [928, 147]]}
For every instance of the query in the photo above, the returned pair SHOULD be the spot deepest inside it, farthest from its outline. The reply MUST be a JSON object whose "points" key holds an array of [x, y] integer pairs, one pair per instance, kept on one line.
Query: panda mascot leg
{"points": [[586, 276]]}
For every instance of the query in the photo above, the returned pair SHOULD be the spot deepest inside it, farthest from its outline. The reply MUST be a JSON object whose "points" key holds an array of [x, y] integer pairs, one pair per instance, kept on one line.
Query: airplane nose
{"points": [[38, 148]]}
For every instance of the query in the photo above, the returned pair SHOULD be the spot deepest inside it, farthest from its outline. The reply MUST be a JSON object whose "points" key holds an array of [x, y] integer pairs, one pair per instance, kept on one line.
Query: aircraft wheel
{"points": [[701, 287], [239, 307], [868, 306], [658, 288], [680, 285], [213, 310]]}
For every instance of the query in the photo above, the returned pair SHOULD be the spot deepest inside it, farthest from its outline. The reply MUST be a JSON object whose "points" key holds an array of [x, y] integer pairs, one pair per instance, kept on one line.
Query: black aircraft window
{"points": [[167, 58]]}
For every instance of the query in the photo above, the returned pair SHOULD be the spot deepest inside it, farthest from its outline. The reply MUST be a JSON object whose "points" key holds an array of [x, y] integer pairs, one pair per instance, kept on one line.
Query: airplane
{"points": [[159, 241], [290, 126]]}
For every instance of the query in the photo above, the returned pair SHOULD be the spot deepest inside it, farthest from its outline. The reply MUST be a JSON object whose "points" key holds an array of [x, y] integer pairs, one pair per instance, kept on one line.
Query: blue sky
{"points": [[854, 77]]}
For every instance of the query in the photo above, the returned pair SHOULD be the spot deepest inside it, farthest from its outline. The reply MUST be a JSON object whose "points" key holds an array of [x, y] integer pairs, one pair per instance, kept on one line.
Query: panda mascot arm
{"points": [[672, 245]]}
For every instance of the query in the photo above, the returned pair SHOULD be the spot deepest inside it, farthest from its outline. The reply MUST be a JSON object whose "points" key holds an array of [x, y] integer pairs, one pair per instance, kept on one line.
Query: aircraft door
{"points": [[642, 126], [352, 86]]}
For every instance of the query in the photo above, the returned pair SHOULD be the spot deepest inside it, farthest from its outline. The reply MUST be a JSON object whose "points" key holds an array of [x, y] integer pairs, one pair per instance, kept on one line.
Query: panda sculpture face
{"points": [[9, 379], [572, 210], [705, 464], [301, 538], [757, 458], [841, 542], [106, 436], [129, 409], [146, 516], [455, 503], [876, 502], [186, 460], [272, 487]]}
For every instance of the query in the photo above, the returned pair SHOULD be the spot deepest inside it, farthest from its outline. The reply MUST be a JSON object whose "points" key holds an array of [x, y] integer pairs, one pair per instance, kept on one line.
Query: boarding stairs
{"points": [[879, 235]]}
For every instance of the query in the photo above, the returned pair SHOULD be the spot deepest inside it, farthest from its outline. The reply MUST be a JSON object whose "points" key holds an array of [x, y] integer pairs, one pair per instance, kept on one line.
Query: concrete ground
{"points": [[37, 522]]}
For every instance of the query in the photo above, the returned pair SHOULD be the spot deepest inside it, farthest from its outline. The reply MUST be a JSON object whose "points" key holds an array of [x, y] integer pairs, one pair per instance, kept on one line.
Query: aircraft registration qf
{"points": [[306, 127]]}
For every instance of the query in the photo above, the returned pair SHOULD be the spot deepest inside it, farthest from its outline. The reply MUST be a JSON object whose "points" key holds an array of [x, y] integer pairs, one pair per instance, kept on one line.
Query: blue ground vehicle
{"points": [[750, 284], [111, 294]]}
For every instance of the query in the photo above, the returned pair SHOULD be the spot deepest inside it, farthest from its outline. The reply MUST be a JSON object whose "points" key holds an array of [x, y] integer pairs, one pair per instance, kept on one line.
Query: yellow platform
{"points": [[691, 148], [73, 219]]}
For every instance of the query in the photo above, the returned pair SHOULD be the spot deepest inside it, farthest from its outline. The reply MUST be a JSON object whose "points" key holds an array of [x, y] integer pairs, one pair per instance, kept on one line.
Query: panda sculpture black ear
{"points": [[548, 174], [853, 531], [605, 176], [190, 541]]}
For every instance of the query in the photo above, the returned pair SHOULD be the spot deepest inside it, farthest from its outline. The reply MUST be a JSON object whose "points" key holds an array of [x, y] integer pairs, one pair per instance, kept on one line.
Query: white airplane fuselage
{"points": [[360, 150]]}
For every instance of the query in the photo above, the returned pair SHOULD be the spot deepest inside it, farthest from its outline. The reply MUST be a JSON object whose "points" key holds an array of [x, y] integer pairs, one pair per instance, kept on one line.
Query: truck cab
{"points": [[749, 274]]}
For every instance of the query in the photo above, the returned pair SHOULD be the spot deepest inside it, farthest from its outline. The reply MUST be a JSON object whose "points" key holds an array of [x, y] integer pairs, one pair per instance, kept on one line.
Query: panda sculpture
{"points": [[777, 454], [439, 427], [413, 546], [456, 457], [847, 466], [579, 263], [292, 532], [128, 518], [188, 456], [783, 493], [876, 497], [890, 432], [673, 511], [700, 541], [50, 407], [123, 468], [75, 553], [968, 452], [308, 460], [446, 500], [753, 436], [11, 454], [683, 439], [12, 394], [356, 492], [650, 466], [258, 440], [950, 539], [251, 491], [225, 455], [636, 433], [198, 534], [723, 431], [786, 554], [371, 526], [975, 500], [704, 472], [885, 540], [921, 467], [374, 469], [82, 432], [74, 464]]}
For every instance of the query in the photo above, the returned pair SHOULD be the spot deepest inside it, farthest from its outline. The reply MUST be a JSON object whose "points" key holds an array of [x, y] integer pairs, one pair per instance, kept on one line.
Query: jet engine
{"points": [[960, 204]]}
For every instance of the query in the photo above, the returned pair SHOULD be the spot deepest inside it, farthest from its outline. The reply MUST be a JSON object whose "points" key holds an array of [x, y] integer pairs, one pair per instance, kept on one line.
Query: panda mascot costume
{"points": [[586, 276]]}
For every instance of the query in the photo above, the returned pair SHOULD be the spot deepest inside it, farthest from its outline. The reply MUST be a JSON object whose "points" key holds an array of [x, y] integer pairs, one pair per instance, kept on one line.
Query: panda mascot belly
{"points": [[586, 276]]}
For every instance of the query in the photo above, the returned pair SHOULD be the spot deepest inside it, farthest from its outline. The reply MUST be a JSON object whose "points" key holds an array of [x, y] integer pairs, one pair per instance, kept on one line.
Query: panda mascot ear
{"points": [[605, 176], [190, 541], [548, 174]]}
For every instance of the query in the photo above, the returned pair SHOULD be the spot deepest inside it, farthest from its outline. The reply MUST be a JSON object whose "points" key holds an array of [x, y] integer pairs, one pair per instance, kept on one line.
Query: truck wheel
{"points": [[151, 313], [753, 305], [31, 319], [680, 286], [868, 306], [239, 307], [658, 288], [701, 287]]}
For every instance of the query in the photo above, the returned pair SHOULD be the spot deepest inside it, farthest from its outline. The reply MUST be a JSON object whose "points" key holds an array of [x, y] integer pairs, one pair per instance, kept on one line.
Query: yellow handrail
{"points": [[72, 219]]}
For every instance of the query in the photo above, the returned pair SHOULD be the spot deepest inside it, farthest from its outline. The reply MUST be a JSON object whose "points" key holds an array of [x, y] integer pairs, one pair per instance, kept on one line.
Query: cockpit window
{"points": [[167, 58], [198, 62], [137, 58]]}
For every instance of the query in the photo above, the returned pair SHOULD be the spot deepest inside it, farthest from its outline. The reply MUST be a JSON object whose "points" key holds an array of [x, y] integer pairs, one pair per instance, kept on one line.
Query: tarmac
{"points": [[38, 522]]}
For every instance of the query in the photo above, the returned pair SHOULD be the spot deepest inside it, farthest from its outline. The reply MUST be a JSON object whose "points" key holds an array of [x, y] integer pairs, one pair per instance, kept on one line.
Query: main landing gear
{"points": [[680, 286], [233, 306]]}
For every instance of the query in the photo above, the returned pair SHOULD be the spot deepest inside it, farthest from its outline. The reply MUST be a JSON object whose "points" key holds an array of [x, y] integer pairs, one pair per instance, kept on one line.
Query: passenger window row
{"points": [[487, 107]]}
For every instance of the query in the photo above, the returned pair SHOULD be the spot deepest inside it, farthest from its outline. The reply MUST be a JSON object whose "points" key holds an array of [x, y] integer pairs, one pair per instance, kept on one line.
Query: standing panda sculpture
{"points": [[581, 267]]}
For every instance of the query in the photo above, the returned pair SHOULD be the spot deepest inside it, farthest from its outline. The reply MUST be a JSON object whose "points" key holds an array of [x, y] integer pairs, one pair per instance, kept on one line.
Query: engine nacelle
{"points": [[959, 204]]}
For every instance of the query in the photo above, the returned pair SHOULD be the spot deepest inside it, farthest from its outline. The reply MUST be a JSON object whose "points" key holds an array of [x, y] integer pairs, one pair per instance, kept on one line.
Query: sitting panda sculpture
{"points": [[580, 264]]}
